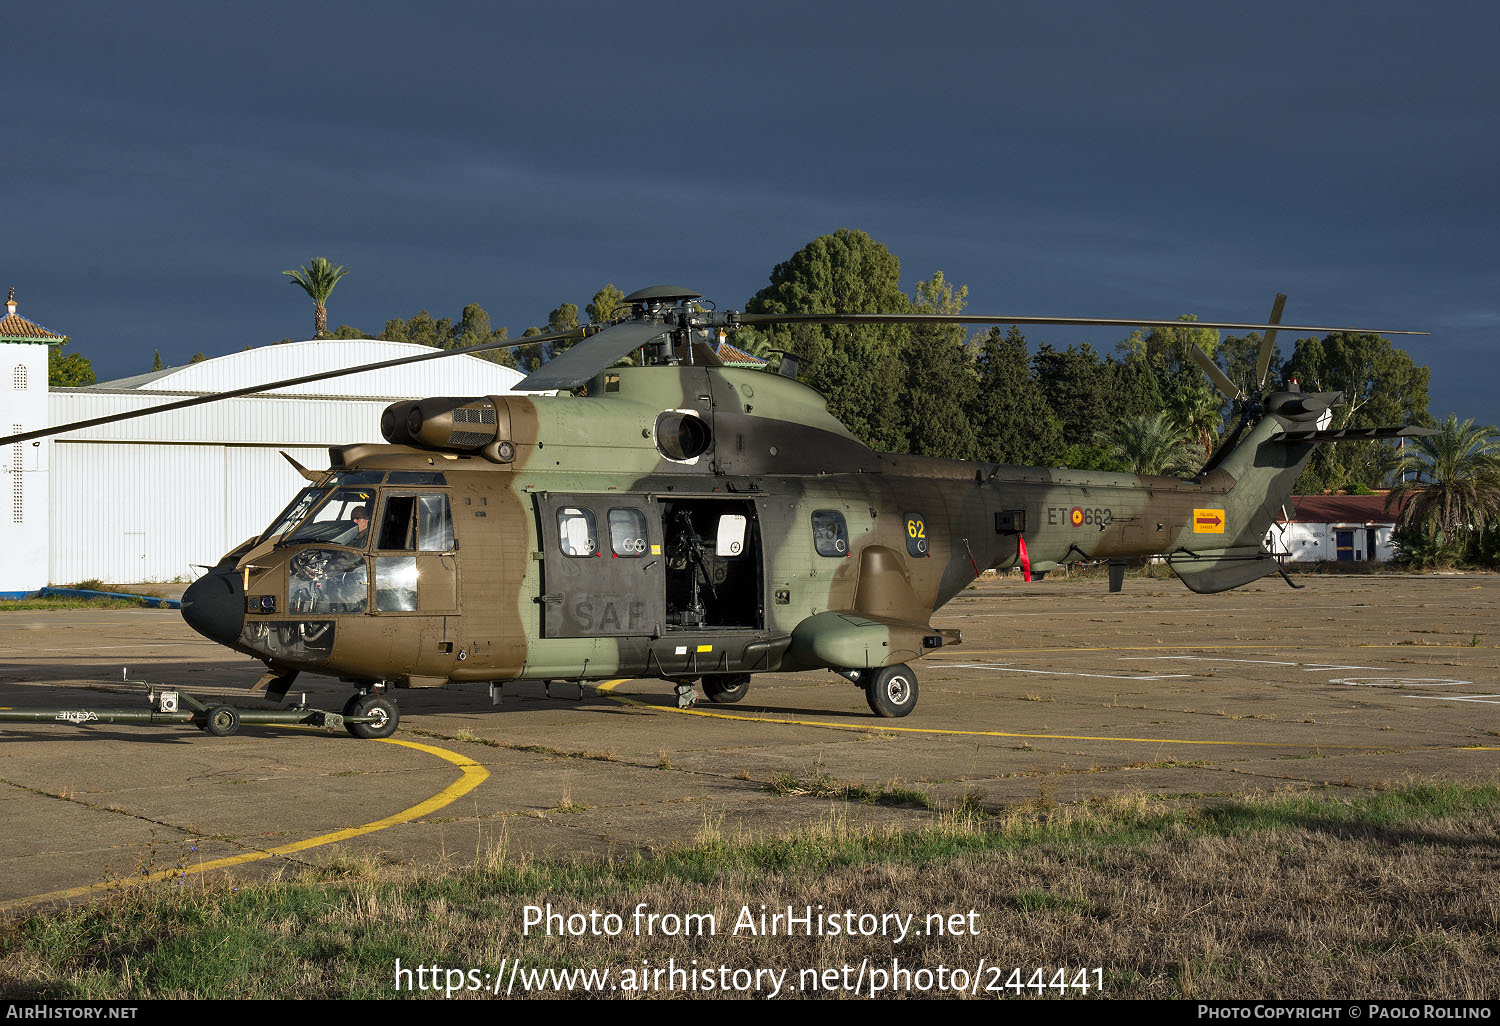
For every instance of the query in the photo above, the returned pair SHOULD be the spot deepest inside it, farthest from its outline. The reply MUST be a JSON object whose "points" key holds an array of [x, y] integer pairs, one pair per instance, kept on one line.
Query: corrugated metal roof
{"points": [[248, 420], [294, 359]]}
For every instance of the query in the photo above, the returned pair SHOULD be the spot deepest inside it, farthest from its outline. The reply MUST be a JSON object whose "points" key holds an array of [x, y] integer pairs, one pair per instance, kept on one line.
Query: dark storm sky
{"points": [[166, 162]]}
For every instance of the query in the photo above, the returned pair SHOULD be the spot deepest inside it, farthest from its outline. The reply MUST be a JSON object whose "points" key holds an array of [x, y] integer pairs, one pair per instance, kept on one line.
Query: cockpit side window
{"points": [[397, 523], [420, 523], [434, 524]]}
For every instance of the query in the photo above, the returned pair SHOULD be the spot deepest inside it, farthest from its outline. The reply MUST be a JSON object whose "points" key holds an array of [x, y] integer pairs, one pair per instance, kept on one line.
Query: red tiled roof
{"points": [[733, 356], [15, 328], [1346, 509]]}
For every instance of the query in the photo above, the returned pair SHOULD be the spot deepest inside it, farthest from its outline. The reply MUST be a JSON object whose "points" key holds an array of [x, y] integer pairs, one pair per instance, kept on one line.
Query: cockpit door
{"points": [[415, 558]]}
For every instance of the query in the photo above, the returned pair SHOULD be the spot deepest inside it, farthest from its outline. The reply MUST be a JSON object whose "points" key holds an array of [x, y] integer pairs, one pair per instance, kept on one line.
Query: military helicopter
{"points": [[696, 523]]}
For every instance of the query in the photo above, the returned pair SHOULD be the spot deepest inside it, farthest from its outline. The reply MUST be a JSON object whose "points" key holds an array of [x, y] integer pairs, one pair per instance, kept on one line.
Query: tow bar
{"points": [[366, 715]]}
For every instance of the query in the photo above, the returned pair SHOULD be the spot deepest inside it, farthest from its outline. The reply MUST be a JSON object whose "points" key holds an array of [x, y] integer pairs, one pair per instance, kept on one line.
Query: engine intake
{"points": [[448, 424]]}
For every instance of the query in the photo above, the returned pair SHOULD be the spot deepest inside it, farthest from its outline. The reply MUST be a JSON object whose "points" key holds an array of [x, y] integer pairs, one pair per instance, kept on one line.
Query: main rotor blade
{"points": [[592, 355], [1219, 378], [201, 400], [879, 318], [1268, 344]]}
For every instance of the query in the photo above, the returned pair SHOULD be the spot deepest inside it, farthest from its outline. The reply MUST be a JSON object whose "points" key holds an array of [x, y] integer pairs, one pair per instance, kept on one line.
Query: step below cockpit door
{"points": [[602, 566]]}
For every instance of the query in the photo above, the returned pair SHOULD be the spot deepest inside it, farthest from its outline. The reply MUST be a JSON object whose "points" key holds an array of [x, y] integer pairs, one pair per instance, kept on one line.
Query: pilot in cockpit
{"points": [[361, 517]]}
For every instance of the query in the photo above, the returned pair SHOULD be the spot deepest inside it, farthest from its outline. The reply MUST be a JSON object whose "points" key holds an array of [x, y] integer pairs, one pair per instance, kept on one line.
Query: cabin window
{"points": [[916, 535], [576, 531], [830, 533], [627, 532]]}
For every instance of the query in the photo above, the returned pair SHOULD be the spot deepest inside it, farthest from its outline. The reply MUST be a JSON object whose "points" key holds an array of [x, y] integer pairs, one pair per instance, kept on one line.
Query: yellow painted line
{"points": [[473, 775], [609, 686]]}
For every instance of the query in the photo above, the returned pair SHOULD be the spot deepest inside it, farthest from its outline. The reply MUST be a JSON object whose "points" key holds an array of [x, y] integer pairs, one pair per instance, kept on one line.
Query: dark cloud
{"points": [[167, 161]]}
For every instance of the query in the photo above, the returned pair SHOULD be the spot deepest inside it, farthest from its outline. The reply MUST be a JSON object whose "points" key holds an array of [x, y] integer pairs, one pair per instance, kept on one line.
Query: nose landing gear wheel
{"points": [[383, 712], [726, 688], [891, 690]]}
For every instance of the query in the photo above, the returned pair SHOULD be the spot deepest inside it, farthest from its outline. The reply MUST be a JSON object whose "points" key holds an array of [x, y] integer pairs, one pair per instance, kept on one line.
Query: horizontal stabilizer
{"points": [[1215, 570], [1355, 434]]}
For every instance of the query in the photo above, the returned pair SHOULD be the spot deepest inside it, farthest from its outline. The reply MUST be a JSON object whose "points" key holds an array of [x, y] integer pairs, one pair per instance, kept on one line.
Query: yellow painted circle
{"points": [[1076, 516]]}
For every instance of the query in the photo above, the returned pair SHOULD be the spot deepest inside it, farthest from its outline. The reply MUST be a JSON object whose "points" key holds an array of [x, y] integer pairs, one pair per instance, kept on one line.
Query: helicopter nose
{"points": [[214, 606]]}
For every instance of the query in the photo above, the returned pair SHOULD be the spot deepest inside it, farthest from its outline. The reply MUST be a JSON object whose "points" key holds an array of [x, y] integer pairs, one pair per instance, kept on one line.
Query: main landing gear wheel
{"points": [[221, 721], [383, 711], [891, 690], [726, 688]]}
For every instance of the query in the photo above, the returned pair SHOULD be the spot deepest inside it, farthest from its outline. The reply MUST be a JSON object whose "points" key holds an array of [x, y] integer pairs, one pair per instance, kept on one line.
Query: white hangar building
{"points": [[156, 498]]}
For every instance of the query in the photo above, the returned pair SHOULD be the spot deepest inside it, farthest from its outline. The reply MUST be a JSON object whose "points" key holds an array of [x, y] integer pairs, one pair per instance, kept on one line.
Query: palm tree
{"points": [[318, 281], [1457, 486], [1153, 444], [1198, 412]]}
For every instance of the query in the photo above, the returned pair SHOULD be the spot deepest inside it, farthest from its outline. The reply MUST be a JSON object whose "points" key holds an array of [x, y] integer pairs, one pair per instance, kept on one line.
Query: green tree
{"points": [[1094, 455], [318, 280], [346, 331], [1237, 355], [564, 318], [1167, 347], [857, 368], [940, 382], [529, 358], [70, 371], [605, 305], [421, 330], [1012, 421], [474, 329], [156, 361], [1196, 409], [1454, 494], [1076, 384], [1154, 444], [1134, 390], [1382, 387]]}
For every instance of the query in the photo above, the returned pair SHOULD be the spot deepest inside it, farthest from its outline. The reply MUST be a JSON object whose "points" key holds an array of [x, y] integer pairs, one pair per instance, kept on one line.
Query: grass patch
{"points": [[1292, 895], [64, 602], [819, 783]]}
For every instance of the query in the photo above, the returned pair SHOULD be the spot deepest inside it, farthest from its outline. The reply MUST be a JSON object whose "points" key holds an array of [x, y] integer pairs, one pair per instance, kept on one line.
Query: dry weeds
{"points": [[1388, 896]]}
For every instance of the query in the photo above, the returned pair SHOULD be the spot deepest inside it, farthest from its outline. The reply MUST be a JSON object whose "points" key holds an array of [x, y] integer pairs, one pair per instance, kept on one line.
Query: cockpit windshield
{"points": [[293, 514]]}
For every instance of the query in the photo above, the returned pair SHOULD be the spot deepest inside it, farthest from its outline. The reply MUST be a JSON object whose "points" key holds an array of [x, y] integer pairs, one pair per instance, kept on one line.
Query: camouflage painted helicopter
{"points": [[696, 523]]}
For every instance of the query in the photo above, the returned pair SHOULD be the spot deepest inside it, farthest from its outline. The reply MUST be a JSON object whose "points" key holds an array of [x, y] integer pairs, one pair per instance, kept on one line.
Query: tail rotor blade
{"points": [[1268, 344], [1221, 380]]}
